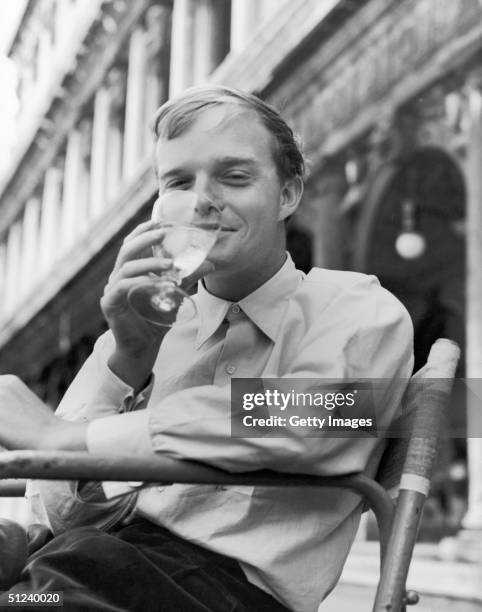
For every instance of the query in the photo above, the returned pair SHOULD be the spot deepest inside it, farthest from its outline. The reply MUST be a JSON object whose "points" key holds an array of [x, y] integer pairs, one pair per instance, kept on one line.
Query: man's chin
{"points": [[219, 255], [226, 255]]}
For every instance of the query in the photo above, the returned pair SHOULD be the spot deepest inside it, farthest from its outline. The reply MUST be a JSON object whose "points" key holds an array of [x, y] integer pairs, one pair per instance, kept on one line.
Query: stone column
{"points": [[26, 61], [62, 22], [181, 72], [210, 41], [117, 89], [134, 118], [467, 545], [49, 224], [70, 198], [158, 34], [12, 274], [44, 55], [320, 214], [3, 276], [473, 518], [83, 219], [29, 250], [98, 162], [244, 22], [268, 8], [75, 213], [23, 85], [203, 39]]}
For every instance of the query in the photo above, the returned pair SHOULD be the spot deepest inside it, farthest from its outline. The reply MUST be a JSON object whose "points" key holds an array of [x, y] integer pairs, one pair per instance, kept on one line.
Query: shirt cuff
{"points": [[114, 396], [113, 386], [120, 433]]}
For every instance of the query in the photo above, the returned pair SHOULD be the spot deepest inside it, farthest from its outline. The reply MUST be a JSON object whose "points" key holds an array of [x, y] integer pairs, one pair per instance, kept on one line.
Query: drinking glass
{"points": [[190, 229]]}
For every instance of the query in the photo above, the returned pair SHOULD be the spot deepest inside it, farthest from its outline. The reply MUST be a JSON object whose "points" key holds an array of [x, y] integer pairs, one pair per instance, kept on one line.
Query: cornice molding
{"points": [[96, 55], [252, 69], [28, 10]]}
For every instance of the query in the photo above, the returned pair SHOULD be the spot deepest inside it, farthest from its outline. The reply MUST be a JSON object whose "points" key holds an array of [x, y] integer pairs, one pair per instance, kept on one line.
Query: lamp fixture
{"points": [[352, 171], [453, 109], [410, 244]]}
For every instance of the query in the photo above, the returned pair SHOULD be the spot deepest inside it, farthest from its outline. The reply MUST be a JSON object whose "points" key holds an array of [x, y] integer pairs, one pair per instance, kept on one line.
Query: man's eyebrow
{"points": [[170, 173], [228, 161], [237, 161]]}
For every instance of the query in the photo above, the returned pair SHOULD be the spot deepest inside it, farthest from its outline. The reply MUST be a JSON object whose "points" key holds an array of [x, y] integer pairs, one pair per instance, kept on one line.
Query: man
{"points": [[185, 547]]}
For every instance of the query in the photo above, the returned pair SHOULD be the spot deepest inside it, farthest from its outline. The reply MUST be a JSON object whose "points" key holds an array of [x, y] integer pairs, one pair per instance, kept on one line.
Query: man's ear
{"points": [[291, 193]]}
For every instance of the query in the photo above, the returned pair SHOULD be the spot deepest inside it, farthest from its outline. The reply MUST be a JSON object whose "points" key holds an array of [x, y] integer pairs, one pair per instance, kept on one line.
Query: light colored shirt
{"points": [[326, 325]]}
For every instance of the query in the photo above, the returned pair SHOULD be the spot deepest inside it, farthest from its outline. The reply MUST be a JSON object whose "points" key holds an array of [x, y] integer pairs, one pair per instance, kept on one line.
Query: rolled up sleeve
{"points": [[95, 393]]}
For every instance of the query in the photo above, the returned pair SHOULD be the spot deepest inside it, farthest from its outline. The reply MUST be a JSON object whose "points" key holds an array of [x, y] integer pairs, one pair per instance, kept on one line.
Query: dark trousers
{"points": [[140, 567]]}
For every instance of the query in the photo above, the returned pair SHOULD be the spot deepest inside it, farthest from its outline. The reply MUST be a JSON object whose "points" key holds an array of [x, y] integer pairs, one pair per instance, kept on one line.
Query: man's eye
{"points": [[236, 177], [177, 184]]}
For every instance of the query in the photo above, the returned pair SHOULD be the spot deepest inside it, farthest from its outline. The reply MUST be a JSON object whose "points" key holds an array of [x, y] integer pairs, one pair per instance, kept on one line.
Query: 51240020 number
{"points": [[30, 599]]}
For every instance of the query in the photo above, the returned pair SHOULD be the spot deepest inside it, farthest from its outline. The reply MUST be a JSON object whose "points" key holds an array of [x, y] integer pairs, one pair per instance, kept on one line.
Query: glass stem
{"points": [[172, 276]]}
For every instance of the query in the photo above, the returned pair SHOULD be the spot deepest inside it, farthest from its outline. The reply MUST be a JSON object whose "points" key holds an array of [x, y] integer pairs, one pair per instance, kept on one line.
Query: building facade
{"points": [[386, 97]]}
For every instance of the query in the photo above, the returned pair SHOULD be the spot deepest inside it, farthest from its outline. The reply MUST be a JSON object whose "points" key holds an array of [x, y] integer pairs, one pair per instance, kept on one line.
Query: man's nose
{"points": [[207, 197]]}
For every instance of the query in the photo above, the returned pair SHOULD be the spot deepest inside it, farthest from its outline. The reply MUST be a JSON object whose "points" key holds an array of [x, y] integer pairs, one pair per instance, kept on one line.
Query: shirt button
{"points": [[235, 309], [230, 369]]}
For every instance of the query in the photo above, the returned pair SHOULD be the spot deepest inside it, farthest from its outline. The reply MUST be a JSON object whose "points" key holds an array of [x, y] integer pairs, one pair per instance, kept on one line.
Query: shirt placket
{"points": [[240, 341]]}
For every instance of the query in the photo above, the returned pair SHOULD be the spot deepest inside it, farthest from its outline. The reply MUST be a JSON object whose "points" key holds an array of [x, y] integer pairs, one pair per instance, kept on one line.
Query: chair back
{"points": [[415, 448], [422, 416]]}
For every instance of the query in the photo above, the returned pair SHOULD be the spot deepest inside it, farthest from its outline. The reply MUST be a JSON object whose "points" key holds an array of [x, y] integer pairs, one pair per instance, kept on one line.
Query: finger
{"points": [[137, 267], [139, 246], [139, 229], [13, 384], [115, 296], [9, 380]]}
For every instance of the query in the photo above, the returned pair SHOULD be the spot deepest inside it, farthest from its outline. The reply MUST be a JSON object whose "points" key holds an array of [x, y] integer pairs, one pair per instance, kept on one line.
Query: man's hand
{"points": [[137, 340], [27, 423]]}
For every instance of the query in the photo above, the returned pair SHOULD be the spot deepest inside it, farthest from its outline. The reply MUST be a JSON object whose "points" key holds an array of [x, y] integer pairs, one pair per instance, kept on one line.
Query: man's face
{"points": [[226, 156]]}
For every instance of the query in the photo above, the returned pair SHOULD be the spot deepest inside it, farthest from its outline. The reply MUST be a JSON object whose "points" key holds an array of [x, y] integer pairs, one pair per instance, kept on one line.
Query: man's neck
{"points": [[235, 287]]}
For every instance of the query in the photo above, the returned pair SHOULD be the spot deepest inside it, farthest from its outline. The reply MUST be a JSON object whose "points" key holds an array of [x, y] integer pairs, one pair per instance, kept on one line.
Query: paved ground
{"points": [[348, 598], [445, 586]]}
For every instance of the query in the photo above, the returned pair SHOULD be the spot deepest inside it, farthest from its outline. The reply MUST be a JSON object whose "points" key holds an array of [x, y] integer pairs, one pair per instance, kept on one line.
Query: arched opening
{"points": [[431, 286]]}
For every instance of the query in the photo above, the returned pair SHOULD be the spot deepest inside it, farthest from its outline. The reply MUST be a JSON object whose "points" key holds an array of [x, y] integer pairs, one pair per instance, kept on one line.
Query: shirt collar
{"points": [[265, 306]]}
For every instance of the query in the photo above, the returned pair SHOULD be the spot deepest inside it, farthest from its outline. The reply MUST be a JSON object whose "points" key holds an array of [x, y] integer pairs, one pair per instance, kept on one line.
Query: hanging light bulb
{"points": [[352, 171], [409, 244]]}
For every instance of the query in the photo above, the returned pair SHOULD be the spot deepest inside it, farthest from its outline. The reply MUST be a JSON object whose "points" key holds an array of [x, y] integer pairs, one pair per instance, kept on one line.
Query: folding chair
{"points": [[407, 463]]}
